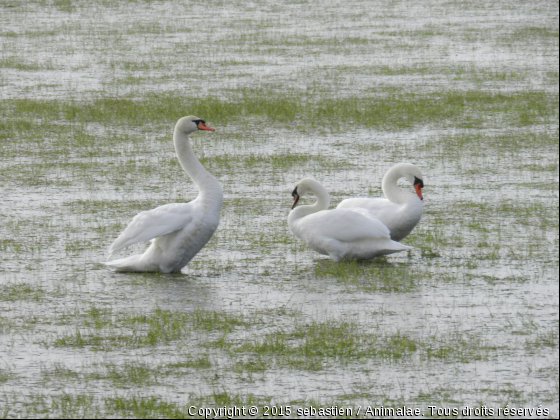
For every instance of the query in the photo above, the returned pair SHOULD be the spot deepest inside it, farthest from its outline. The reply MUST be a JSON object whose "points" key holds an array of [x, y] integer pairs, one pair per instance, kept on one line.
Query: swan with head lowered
{"points": [[179, 230], [342, 234], [401, 210]]}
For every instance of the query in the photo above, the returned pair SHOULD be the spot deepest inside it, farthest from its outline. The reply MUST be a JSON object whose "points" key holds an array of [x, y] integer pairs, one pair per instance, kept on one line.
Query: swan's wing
{"points": [[346, 225], [364, 212], [153, 223]]}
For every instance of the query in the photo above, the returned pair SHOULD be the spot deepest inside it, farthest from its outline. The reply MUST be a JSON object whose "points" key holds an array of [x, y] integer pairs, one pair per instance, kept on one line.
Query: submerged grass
{"points": [[103, 330], [128, 375], [390, 111], [312, 346], [317, 345], [5, 375], [145, 407], [370, 276], [21, 291], [140, 406], [505, 145]]}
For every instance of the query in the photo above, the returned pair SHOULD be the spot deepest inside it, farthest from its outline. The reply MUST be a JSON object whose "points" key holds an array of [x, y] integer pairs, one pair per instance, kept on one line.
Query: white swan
{"points": [[401, 210], [178, 230], [342, 234]]}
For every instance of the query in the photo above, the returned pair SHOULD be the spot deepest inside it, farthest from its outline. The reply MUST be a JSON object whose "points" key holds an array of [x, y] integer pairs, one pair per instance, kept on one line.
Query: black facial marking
{"points": [[296, 197], [418, 181], [198, 122]]}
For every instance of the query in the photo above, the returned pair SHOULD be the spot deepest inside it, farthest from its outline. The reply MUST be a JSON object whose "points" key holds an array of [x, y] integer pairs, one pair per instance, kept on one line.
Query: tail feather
{"points": [[397, 246], [126, 264], [391, 247]]}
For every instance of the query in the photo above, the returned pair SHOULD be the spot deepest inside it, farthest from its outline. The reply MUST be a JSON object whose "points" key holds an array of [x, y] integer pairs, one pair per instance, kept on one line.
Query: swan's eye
{"points": [[418, 181]]}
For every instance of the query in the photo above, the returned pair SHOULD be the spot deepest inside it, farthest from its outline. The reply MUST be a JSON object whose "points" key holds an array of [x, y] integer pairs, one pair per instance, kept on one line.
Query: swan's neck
{"points": [[208, 186], [392, 191], [322, 203]]}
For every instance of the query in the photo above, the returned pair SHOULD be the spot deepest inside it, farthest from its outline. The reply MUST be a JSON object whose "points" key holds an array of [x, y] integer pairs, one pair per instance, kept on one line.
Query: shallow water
{"points": [[478, 295]]}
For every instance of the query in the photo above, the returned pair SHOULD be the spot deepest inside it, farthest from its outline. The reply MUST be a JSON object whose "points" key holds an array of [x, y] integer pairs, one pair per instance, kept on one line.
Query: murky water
{"points": [[488, 278]]}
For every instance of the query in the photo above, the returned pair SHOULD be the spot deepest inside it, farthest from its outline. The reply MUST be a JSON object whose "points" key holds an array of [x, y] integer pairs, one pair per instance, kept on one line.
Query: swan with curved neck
{"points": [[178, 230], [342, 234], [401, 210]]}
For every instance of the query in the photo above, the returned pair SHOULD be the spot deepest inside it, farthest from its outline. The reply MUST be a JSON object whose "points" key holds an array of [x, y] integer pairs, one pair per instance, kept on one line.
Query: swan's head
{"points": [[190, 124], [306, 186], [413, 174]]}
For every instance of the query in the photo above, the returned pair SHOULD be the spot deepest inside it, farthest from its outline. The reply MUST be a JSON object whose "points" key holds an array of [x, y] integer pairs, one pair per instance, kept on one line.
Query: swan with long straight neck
{"points": [[401, 210], [342, 234], [177, 231]]}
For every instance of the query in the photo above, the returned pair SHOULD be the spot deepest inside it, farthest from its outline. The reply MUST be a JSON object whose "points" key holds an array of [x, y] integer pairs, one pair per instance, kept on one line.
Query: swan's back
{"points": [[400, 219]]}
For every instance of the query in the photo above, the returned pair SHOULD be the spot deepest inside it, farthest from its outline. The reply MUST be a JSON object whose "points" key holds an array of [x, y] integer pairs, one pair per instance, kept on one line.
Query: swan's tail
{"points": [[131, 263], [390, 247]]}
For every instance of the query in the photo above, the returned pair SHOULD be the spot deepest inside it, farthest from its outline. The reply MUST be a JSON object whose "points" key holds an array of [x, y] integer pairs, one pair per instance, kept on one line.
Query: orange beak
{"points": [[418, 189], [296, 199], [202, 126]]}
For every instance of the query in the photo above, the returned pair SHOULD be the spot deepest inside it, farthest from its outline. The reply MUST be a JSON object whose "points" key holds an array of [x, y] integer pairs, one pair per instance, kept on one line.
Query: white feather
{"points": [[401, 210], [153, 223], [178, 231], [342, 234]]}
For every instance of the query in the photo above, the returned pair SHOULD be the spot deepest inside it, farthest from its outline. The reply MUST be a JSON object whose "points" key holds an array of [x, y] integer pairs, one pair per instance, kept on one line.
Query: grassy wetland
{"points": [[90, 92]]}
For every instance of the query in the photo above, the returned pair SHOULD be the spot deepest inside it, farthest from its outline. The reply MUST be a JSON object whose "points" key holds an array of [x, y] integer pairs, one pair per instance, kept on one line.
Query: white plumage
{"points": [[342, 234], [401, 210], [178, 231], [153, 223]]}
